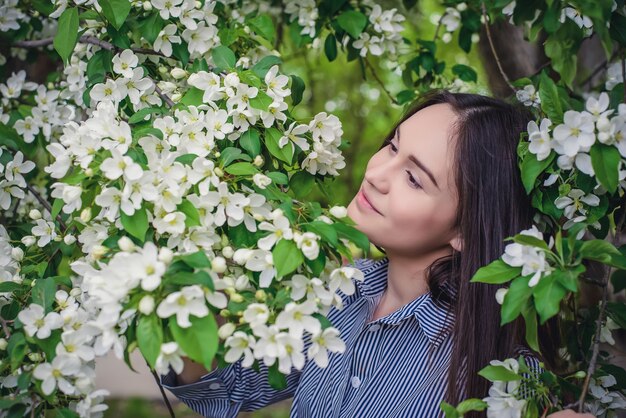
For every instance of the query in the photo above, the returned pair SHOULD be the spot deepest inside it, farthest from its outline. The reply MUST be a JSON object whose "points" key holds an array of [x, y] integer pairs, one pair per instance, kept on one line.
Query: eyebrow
{"points": [[419, 163]]}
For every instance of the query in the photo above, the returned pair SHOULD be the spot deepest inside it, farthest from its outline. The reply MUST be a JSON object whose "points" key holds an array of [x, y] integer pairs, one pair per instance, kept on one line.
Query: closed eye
{"points": [[412, 180]]}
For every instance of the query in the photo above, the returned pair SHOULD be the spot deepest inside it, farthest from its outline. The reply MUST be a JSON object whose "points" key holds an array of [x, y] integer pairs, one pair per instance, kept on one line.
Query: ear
{"points": [[457, 243]]}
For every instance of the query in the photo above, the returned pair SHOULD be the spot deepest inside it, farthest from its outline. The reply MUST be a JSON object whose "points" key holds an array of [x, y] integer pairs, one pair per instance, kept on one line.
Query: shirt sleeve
{"points": [[222, 393]]}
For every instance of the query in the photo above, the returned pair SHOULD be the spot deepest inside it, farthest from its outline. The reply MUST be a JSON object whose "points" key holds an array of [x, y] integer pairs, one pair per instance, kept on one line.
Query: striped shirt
{"points": [[394, 366]]}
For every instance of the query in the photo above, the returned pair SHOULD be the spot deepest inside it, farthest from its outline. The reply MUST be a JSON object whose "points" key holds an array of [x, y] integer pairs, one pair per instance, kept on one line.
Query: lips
{"points": [[368, 202]]}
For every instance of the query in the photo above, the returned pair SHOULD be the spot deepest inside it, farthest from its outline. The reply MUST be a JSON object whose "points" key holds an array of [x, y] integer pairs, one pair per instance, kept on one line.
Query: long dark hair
{"points": [[493, 205]]}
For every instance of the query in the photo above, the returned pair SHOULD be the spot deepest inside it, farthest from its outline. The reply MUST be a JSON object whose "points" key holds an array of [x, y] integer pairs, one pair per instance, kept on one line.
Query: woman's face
{"points": [[410, 211]]}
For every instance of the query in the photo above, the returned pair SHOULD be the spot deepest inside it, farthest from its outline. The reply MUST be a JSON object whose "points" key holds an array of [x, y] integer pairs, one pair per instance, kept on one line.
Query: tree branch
{"points": [[605, 293], [158, 382], [85, 39], [40, 199], [493, 49], [380, 82]]}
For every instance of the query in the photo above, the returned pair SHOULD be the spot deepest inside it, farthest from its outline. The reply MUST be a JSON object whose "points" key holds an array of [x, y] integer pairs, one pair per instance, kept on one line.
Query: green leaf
{"points": [[137, 224], [498, 373], [531, 241], [515, 299], [617, 312], [241, 169], [548, 295], [262, 101], [230, 154], [465, 72], [599, 250], [569, 278], [193, 97], [275, 378], [532, 168], [224, 57], [97, 67], [66, 413], [150, 337], [471, 405], [251, 142], [352, 22], [196, 260], [287, 257], [550, 102], [142, 113], [278, 177], [497, 272], [57, 205], [605, 161], [263, 25], [199, 341], [272, 137], [297, 89], [115, 11], [330, 47], [9, 286], [301, 183], [151, 27], [530, 321], [187, 278], [617, 29], [326, 231], [192, 217], [618, 280], [263, 66], [43, 293], [448, 410], [354, 235], [16, 349], [67, 33]]}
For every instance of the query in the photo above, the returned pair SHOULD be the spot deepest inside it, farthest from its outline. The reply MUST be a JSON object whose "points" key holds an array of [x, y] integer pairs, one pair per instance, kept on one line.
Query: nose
{"points": [[378, 175]]}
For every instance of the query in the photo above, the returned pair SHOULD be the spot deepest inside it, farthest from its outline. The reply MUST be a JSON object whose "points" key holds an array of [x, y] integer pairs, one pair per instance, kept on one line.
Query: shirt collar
{"points": [[434, 317]]}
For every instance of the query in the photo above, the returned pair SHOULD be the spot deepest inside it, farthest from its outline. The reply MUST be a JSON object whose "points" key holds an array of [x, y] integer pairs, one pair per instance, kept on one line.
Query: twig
{"points": [[41, 200], [596, 339], [493, 50], [162, 95], [379, 81], [624, 75], [167, 401], [86, 39], [5, 327], [599, 68], [46, 205]]}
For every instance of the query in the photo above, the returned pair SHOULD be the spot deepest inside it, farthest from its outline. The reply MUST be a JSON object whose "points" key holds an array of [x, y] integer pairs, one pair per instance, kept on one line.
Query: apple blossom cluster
{"points": [[504, 398], [12, 182], [305, 12], [605, 400], [70, 319], [11, 15], [572, 141], [50, 113], [276, 331], [530, 258], [385, 36]]}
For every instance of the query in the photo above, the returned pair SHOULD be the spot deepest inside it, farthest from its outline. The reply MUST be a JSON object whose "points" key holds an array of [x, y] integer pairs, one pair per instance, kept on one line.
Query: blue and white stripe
{"points": [[395, 366]]}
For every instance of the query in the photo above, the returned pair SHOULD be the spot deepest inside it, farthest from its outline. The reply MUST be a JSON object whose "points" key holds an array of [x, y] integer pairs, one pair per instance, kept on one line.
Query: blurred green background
{"points": [[367, 115]]}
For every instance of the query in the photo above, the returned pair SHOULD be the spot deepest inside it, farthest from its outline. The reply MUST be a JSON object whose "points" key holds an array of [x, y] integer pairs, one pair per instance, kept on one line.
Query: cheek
{"points": [[421, 220]]}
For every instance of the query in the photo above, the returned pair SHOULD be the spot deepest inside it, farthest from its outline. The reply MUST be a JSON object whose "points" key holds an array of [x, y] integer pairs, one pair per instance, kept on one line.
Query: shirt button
{"points": [[375, 327], [214, 386], [356, 382]]}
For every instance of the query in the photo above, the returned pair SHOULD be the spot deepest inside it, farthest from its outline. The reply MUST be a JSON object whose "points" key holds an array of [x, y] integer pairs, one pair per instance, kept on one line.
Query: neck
{"points": [[406, 276]]}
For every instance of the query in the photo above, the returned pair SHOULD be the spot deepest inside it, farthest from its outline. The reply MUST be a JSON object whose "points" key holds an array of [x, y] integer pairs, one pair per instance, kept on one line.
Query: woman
{"points": [[440, 196]]}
